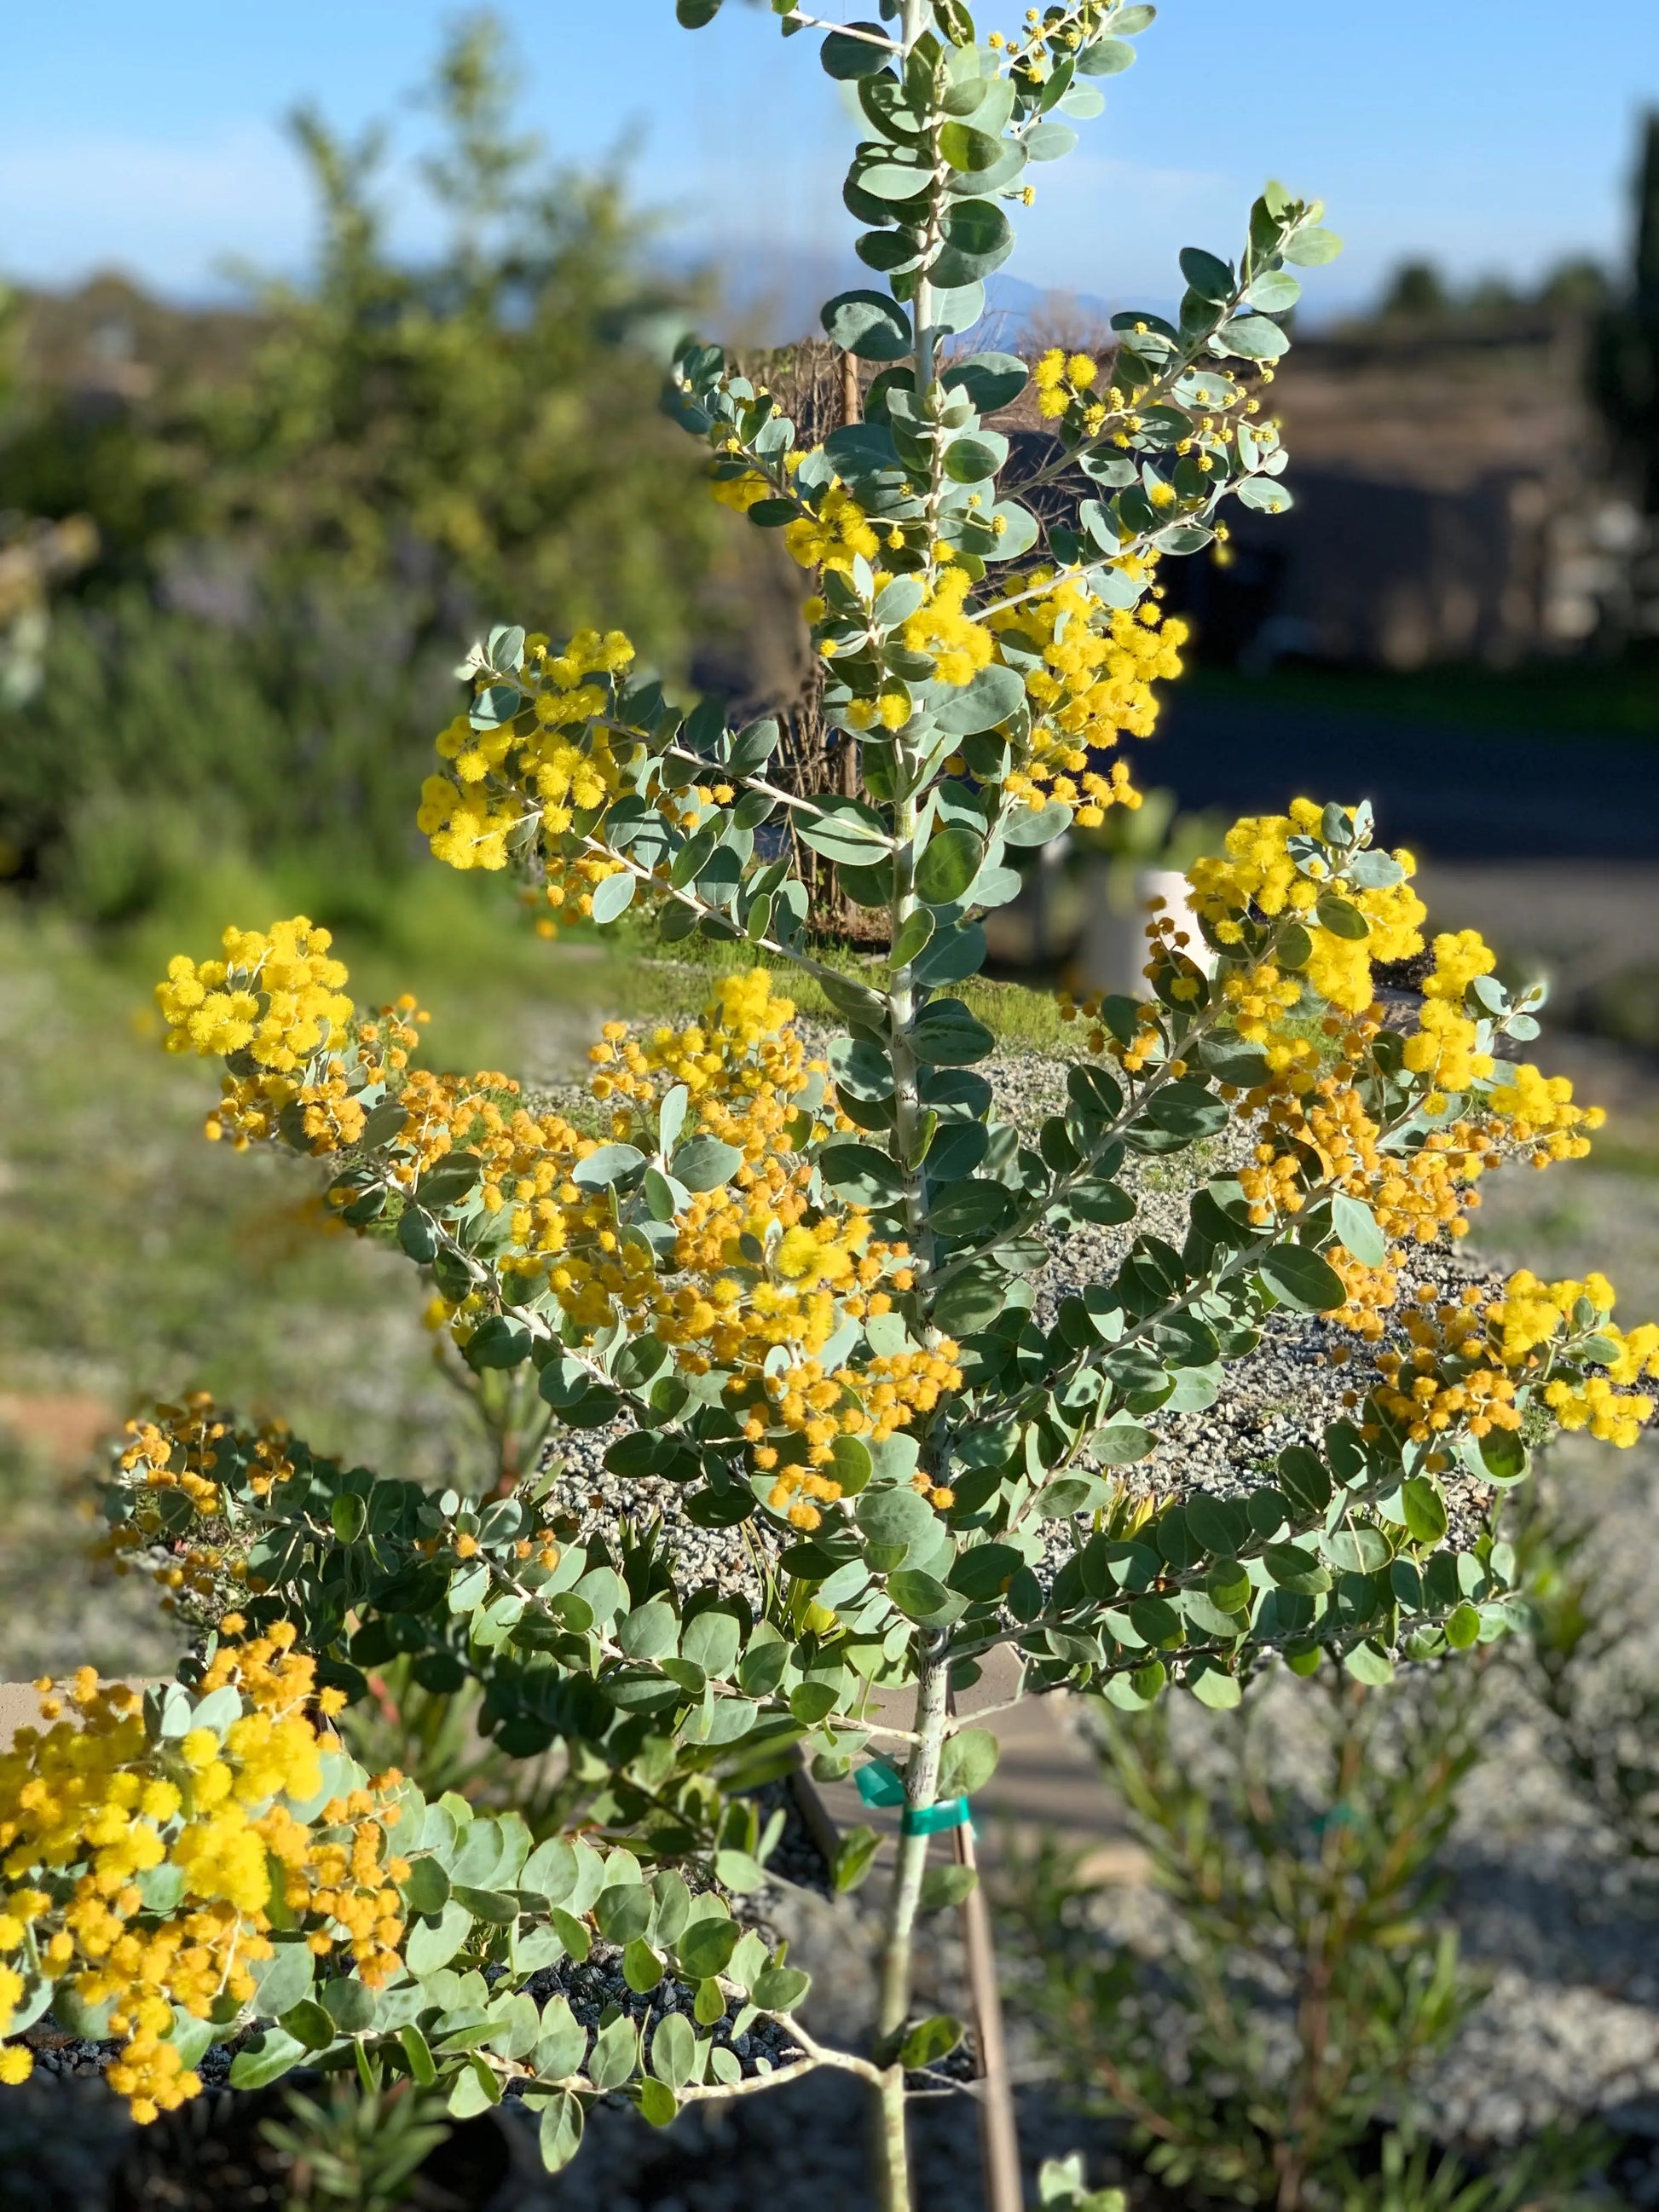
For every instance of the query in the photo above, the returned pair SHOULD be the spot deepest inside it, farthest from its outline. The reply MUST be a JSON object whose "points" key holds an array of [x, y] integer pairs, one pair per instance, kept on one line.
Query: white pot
{"points": [[1113, 952]]}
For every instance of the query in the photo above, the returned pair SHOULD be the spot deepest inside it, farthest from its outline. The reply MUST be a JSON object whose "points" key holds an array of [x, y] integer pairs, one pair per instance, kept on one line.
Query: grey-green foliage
{"points": [[953, 129], [480, 1894], [996, 1521]]}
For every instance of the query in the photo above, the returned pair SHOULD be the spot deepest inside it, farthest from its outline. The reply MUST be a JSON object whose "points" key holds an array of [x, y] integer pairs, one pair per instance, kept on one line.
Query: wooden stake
{"points": [[998, 2133]]}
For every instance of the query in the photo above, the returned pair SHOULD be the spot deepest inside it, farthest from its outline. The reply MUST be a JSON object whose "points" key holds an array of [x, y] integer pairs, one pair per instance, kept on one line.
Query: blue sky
{"points": [[1490, 134]]}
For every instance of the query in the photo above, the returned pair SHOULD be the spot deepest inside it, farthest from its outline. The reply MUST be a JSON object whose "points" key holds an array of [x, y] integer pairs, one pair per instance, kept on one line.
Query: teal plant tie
{"points": [[933, 1819], [880, 1785]]}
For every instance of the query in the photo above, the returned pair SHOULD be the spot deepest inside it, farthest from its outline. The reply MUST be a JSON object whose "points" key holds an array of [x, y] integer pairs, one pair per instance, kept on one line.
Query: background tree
{"points": [[293, 551], [1624, 368]]}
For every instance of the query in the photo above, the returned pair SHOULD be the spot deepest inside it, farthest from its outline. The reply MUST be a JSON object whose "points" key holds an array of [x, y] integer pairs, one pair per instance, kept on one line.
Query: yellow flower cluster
{"points": [[1096, 683], [1060, 378], [759, 1274], [874, 1402], [532, 767], [891, 710], [275, 996], [276, 1004], [1532, 1313], [1469, 1361], [176, 1449], [1611, 1416], [91, 1810], [943, 626], [755, 1266], [1146, 1045], [743, 1067], [1449, 1378], [836, 536], [1542, 1115], [1637, 1351], [1317, 1135], [1459, 956], [760, 1266], [332, 1113], [1258, 875], [1443, 1045], [561, 1233], [1260, 996], [1324, 1139], [741, 493]]}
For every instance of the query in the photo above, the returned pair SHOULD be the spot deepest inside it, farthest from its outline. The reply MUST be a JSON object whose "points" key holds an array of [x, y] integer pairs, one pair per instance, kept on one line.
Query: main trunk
{"points": [[898, 1941]]}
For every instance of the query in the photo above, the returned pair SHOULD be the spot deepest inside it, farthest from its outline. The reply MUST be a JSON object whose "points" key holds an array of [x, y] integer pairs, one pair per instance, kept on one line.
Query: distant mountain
{"points": [[770, 295]]}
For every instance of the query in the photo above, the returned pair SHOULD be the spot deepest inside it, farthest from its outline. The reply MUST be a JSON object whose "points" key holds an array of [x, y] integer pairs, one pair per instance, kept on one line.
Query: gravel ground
{"points": [[1287, 1392]]}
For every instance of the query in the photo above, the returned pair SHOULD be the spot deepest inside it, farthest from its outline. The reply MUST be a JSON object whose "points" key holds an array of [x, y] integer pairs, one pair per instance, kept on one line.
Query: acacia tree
{"points": [[804, 1291]]}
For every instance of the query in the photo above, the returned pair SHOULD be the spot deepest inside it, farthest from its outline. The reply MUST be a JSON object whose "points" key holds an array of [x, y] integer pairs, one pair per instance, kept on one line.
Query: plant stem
{"points": [[932, 1680], [898, 1947]]}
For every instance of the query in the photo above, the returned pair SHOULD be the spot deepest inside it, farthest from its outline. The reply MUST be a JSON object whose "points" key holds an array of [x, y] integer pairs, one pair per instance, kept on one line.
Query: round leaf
{"points": [[609, 1164], [948, 1036], [1300, 1278], [968, 150], [1309, 247], [919, 1596], [1254, 338], [868, 324], [1106, 58], [275, 2053], [933, 2040], [893, 1515], [613, 895], [561, 2134], [705, 1164], [949, 865], [641, 1967], [992, 380], [1356, 1225], [426, 1891], [845, 58], [705, 1948], [968, 1762], [674, 2050]]}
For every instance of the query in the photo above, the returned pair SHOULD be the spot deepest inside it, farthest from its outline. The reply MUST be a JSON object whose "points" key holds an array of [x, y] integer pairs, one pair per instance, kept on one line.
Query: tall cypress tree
{"points": [[1624, 357]]}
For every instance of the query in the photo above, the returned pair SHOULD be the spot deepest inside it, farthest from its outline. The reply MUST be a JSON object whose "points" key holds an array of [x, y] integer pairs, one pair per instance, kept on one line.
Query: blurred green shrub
{"points": [[1267, 2047], [296, 552], [158, 737], [1261, 2024], [1596, 1694]]}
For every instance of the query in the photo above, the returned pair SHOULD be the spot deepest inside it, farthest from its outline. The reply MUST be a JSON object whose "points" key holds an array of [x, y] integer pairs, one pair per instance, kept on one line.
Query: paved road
{"points": [[1451, 794]]}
